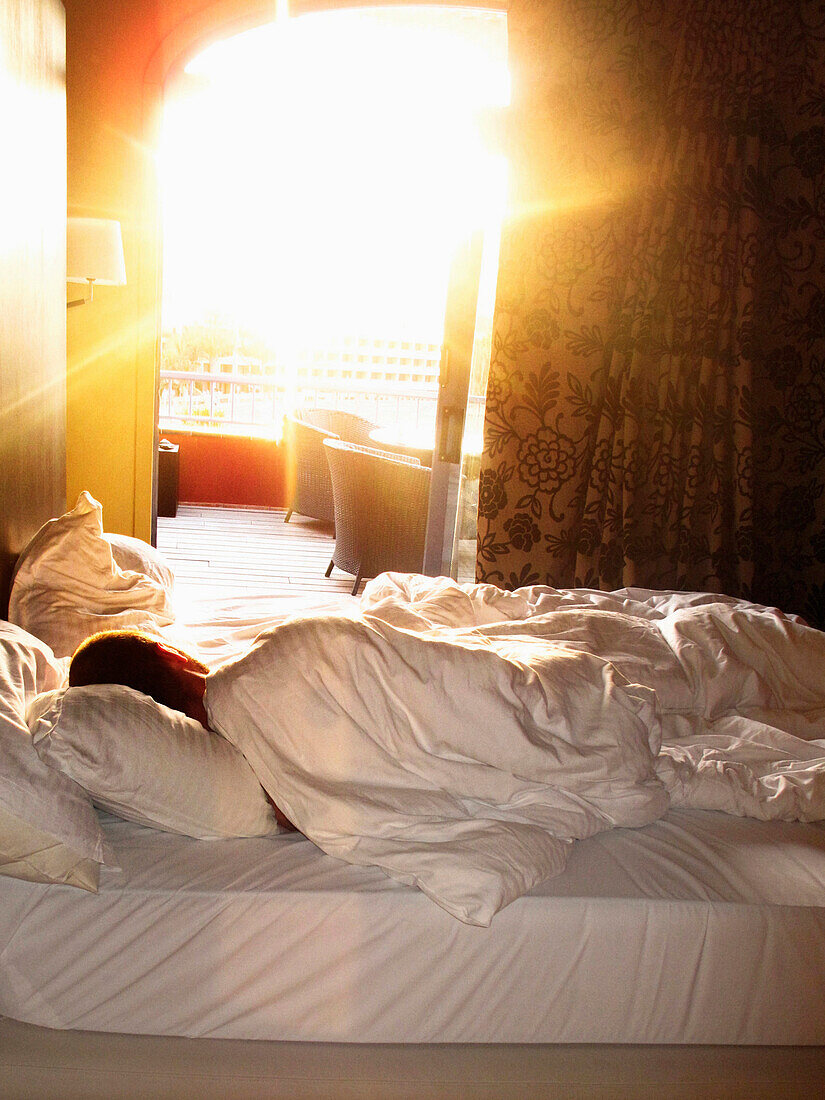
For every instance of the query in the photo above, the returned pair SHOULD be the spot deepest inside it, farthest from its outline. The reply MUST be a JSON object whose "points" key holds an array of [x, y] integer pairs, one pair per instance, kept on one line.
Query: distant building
{"points": [[384, 379]]}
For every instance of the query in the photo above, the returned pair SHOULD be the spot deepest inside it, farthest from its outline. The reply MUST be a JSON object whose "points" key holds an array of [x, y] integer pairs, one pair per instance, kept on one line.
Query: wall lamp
{"points": [[94, 254]]}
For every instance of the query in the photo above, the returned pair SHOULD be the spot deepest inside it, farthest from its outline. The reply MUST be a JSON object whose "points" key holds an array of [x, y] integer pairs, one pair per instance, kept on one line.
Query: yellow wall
{"points": [[109, 356], [119, 52]]}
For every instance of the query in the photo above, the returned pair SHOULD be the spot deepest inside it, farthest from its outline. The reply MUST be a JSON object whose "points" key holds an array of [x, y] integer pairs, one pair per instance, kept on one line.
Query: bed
{"points": [[686, 951]]}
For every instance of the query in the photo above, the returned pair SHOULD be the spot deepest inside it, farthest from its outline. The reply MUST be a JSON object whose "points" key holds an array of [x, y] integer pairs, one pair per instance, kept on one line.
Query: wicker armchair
{"points": [[311, 488], [346, 425], [381, 503]]}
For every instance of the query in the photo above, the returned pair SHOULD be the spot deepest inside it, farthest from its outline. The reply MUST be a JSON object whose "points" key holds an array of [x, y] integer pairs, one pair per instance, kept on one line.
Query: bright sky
{"points": [[317, 173]]}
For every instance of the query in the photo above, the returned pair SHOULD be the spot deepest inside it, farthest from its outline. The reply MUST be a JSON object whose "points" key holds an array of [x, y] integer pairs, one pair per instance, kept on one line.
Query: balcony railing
{"points": [[256, 404]]}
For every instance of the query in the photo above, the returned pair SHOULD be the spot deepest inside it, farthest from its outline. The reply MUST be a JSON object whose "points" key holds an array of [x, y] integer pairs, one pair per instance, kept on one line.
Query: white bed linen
{"points": [[68, 583], [462, 764], [699, 928], [461, 737], [217, 630]]}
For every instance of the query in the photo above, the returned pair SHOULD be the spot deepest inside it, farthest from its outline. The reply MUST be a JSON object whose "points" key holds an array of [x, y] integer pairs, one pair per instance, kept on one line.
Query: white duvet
{"points": [[461, 737]]}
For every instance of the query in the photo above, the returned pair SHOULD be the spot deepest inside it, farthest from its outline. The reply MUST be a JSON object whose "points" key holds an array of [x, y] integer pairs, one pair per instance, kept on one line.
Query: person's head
{"points": [[137, 660]]}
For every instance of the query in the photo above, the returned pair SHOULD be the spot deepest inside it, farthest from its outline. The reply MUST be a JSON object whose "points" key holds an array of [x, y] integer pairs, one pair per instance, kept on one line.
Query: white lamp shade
{"points": [[94, 251]]}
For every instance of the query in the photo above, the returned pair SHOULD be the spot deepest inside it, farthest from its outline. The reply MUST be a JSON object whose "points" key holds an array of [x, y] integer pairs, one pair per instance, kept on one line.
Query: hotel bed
{"points": [[698, 927]]}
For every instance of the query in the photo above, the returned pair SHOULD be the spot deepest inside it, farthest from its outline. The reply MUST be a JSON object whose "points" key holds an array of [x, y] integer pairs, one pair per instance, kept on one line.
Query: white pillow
{"points": [[147, 763], [38, 856], [49, 830], [136, 556], [68, 585]]}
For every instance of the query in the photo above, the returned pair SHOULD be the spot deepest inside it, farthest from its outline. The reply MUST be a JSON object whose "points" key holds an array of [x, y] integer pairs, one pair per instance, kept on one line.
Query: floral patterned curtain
{"points": [[655, 408]]}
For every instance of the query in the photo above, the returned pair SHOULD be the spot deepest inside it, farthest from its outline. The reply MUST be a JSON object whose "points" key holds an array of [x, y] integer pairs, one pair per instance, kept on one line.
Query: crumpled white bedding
{"points": [[69, 582], [461, 737]]}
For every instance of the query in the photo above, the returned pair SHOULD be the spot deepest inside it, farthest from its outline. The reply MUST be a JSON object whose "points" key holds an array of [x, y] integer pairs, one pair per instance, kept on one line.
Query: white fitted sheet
{"points": [[699, 928]]}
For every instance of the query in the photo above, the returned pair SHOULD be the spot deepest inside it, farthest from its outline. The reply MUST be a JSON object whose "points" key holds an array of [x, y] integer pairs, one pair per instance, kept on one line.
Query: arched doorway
{"points": [[319, 175]]}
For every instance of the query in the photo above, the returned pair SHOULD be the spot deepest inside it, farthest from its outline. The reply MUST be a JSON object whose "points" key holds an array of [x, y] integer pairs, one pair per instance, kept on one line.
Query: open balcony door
{"points": [[450, 548]]}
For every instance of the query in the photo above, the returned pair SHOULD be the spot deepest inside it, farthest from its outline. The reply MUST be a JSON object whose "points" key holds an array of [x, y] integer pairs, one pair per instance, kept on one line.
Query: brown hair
{"points": [[136, 660]]}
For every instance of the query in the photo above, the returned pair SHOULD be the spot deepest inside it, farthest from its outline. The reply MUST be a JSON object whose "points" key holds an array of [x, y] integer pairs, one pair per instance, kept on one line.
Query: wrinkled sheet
{"points": [[698, 928], [462, 737]]}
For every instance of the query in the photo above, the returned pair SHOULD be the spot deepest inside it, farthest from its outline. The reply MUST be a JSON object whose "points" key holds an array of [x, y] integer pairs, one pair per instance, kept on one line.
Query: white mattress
{"points": [[700, 928]]}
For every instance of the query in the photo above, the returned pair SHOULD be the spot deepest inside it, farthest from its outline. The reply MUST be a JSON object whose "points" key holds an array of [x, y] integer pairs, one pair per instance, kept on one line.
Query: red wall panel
{"points": [[229, 469]]}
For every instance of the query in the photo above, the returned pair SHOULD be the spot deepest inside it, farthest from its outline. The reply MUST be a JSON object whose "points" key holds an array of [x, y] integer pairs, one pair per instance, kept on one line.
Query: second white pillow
{"points": [[147, 763]]}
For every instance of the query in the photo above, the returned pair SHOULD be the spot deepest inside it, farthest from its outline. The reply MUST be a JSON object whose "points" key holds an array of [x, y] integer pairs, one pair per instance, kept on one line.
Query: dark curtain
{"points": [[655, 409]]}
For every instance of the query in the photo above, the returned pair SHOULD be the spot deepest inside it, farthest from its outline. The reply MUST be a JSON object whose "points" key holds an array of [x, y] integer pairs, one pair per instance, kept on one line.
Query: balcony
{"points": [[228, 428], [229, 537]]}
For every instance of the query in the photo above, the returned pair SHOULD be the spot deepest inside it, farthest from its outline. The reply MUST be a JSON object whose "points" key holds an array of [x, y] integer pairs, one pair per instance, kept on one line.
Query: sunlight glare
{"points": [[318, 173]]}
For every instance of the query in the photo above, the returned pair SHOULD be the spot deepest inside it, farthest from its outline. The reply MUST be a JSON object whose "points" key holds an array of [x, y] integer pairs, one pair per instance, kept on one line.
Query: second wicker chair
{"points": [[380, 504], [304, 433]]}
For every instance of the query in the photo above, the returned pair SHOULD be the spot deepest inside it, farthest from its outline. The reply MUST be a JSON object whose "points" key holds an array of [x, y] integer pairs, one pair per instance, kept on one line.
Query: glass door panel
{"points": [[459, 429]]}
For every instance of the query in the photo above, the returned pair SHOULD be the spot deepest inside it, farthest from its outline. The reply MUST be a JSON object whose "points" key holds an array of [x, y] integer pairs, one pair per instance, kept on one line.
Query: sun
{"points": [[317, 173]]}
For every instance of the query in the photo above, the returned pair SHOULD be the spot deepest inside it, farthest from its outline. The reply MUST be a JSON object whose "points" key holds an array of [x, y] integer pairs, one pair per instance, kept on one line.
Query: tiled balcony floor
{"points": [[222, 552], [229, 552]]}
